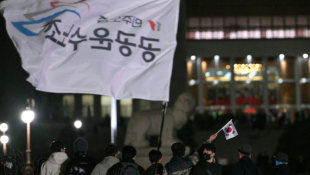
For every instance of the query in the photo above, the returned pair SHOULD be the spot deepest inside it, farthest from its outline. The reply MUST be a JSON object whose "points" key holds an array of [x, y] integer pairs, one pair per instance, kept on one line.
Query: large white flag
{"points": [[230, 130], [119, 48]]}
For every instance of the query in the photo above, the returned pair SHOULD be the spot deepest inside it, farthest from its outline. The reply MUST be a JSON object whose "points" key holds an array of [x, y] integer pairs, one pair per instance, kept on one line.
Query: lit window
{"points": [[248, 27]]}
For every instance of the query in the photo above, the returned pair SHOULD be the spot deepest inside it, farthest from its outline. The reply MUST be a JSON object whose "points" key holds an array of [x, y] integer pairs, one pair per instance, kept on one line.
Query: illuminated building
{"points": [[251, 54]]}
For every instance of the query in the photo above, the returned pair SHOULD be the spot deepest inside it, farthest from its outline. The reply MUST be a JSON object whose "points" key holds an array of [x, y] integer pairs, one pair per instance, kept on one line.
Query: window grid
{"points": [[248, 27]]}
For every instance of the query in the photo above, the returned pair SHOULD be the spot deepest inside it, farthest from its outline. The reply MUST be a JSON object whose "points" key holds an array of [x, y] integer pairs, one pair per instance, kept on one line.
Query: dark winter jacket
{"points": [[244, 164], [118, 168], [201, 168], [283, 169], [178, 166], [81, 164], [150, 170]]}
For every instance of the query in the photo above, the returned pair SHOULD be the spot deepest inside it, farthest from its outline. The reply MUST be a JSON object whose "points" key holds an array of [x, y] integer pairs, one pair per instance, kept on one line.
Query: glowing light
{"points": [[207, 74], [216, 57], [281, 56], [4, 139], [27, 116], [215, 82], [78, 124], [247, 68], [305, 55], [252, 74], [193, 57], [219, 72], [227, 75], [4, 127], [191, 82], [280, 80], [303, 80], [249, 58]]}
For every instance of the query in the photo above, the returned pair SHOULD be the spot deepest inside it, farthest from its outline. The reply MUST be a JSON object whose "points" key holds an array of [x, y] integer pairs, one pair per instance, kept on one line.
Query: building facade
{"points": [[249, 56]]}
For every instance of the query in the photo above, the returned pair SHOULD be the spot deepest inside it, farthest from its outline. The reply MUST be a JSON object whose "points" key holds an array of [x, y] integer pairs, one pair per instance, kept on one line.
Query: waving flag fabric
{"points": [[230, 130], [118, 48]]}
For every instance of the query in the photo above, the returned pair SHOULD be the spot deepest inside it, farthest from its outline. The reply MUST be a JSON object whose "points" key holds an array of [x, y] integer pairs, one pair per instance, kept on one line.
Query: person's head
{"points": [[6, 161], [245, 151], [80, 145], [281, 158], [207, 151], [110, 150], [155, 156], [178, 149], [57, 146], [129, 153]]}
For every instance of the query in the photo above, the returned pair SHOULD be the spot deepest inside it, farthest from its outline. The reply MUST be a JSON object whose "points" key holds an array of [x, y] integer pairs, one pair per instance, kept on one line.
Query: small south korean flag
{"points": [[230, 130]]}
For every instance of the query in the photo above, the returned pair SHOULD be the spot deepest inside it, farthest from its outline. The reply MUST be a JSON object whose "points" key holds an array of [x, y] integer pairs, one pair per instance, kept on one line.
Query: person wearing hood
{"points": [[81, 164], [54, 165], [110, 153]]}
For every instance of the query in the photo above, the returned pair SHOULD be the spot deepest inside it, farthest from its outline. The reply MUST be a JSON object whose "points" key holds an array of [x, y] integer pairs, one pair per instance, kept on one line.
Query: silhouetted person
{"points": [[154, 159], [6, 164], [245, 164], [301, 165], [127, 166], [110, 153], [55, 164], [178, 164], [81, 164], [207, 164], [37, 169], [281, 163]]}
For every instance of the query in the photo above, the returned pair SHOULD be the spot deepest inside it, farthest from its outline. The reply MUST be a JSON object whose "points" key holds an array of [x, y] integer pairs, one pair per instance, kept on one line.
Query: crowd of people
{"points": [[201, 162]]}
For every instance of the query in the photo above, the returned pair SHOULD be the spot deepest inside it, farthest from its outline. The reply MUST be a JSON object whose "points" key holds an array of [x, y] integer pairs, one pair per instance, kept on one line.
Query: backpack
{"points": [[130, 168]]}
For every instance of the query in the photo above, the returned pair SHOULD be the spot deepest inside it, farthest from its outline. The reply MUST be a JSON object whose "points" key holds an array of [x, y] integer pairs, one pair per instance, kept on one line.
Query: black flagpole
{"points": [[165, 104]]}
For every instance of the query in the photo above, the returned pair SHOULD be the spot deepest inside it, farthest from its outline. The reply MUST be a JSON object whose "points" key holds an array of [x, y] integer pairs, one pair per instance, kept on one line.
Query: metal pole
{"points": [[200, 86], [297, 84], [265, 85], [113, 120], [164, 110], [232, 87], [4, 148], [28, 151]]}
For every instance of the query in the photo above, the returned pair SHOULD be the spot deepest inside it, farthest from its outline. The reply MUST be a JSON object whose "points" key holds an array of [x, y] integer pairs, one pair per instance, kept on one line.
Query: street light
{"points": [[4, 139], [27, 117], [78, 124], [4, 127]]}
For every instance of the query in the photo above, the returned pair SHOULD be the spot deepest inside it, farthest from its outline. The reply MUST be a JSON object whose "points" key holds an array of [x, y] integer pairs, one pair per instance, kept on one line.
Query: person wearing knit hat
{"points": [[245, 164], [81, 145], [81, 164]]}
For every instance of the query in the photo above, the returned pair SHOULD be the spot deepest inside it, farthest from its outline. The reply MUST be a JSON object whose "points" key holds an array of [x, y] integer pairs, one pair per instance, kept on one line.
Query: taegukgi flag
{"points": [[118, 48], [230, 130]]}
